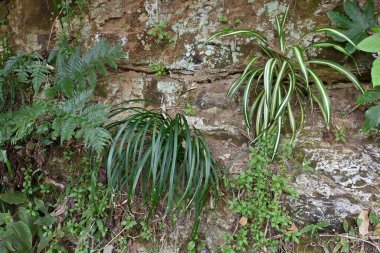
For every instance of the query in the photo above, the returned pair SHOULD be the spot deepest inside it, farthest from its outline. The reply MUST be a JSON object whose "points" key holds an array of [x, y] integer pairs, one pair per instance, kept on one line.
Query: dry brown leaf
{"points": [[364, 223], [243, 221], [293, 228]]}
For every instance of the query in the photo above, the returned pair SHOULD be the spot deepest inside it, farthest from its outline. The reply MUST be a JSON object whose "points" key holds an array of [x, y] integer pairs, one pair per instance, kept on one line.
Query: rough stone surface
{"points": [[346, 177]]}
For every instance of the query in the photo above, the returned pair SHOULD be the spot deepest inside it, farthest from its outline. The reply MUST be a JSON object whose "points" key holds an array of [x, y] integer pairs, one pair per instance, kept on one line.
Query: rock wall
{"points": [[346, 177]]}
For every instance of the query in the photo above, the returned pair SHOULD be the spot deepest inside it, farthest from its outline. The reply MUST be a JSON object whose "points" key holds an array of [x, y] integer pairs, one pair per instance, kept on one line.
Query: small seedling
{"points": [[237, 21], [159, 68], [342, 114], [159, 32], [189, 108], [340, 136], [222, 19]]}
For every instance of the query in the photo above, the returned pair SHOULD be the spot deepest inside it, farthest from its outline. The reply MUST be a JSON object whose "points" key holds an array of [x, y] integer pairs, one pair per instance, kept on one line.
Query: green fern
{"points": [[73, 114], [21, 72], [76, 119], [23, 122], [77, 73]]}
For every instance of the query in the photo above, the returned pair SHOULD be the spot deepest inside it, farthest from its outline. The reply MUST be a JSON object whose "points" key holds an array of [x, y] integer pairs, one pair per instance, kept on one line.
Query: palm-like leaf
{"points": [[162, 160]]}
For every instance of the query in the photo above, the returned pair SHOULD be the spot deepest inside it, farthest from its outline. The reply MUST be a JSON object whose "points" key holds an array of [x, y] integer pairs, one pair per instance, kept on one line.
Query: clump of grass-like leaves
{"points": [[287, 76], [162, 160]]}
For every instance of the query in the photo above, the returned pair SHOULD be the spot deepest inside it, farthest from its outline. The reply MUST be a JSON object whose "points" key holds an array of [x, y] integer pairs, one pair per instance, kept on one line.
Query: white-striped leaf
{"points": [[329, 44], [246, 32], [276, 88], [268, 77], [301, 61], [340, 69], [247, 92], [326, 105], [292, 123], [335, 32], [285, 101]]}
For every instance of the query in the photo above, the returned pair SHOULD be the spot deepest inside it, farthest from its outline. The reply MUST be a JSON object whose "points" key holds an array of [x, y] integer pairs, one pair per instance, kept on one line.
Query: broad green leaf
{"points": [[370, 44], [339, 19], [14, 198], [369, 97], [21, 236], [372, 116], [375, 73], [43, 243], [4, 218], [25, 217], [47, 220], [355, 24]]}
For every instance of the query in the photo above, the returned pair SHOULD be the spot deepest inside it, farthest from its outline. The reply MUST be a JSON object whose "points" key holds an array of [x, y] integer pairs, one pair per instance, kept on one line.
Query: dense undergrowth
{"points": [[126, 173]]}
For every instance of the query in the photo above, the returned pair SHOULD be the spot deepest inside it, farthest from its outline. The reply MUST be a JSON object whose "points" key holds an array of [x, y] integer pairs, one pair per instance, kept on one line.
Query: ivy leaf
{"points": [[372, 116], [355, 23]]}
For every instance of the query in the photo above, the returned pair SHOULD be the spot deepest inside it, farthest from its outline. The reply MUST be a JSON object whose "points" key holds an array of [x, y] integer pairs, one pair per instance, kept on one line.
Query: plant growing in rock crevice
{"points": [[287, 76], [161, 160]]}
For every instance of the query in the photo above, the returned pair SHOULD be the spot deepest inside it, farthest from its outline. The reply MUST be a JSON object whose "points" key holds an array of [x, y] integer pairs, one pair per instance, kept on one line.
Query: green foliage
{"points": [[287, 77], [340, 135], [64, 109], [159, 68], [159, 32], [20, 74], [5, 51], [162, 160], [372, 45], [189, 109], [355, 23], [261, 202], [76, 73], [30, 230], [90, 208], [223, 19]]}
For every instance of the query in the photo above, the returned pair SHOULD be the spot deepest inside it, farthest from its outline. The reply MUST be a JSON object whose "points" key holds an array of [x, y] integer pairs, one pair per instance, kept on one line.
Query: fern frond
{"points": [[12, 63], [74, 74], [77, 103], [24, 119], [96, 138], [68, 128], [39, 72]]}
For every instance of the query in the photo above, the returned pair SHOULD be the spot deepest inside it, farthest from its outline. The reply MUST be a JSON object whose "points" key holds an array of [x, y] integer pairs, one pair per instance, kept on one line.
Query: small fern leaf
{"points": [[39, 73]]}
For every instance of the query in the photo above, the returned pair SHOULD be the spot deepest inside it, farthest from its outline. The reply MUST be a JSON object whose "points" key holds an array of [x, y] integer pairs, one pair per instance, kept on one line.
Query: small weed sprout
{"points": [[159, 68], [159, 32]]}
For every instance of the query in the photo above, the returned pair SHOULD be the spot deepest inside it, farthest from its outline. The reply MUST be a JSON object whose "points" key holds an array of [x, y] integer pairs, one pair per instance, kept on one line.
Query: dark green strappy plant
{"points": [[162, 160], [287, 75]]}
